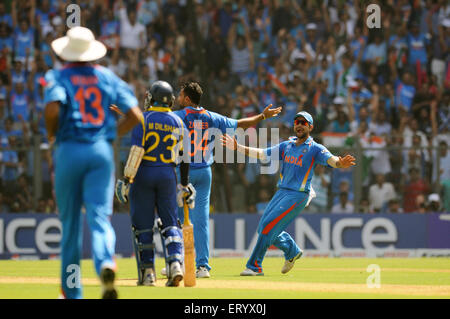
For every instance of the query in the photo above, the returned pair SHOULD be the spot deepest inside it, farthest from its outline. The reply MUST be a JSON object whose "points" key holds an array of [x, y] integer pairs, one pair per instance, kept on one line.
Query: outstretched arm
{"points": [[341, 162], [253, 120], [232, 144]]}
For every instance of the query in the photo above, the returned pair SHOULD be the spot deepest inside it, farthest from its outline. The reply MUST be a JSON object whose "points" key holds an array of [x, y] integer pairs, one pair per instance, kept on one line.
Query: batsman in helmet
{"points": [[150, 182]]}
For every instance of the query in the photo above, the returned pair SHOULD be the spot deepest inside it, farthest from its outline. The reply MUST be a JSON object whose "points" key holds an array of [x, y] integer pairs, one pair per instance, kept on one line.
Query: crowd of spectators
{"points": [[384, 89]]}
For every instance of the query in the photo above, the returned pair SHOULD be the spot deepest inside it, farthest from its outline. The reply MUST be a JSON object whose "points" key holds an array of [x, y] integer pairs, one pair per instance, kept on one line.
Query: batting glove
{"points": [[122, 190], [186, 192]]}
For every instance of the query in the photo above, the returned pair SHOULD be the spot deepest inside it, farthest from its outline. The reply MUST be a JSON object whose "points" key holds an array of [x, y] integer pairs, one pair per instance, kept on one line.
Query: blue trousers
{"points": [[284, 207], [200, 178], [155, 188], [84, 175]]}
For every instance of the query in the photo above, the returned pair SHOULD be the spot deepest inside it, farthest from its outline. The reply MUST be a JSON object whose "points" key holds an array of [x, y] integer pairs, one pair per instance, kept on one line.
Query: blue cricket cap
{"points": [[306, 115]]}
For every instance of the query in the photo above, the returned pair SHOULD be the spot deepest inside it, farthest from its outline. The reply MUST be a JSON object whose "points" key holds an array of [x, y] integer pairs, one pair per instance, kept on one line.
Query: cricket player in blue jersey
{"points": [[298, 155], [199, 122], [82, 127], [150, 182]]}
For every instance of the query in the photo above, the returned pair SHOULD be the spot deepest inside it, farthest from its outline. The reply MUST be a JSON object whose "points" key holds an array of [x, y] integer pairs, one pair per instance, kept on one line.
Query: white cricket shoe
{"points": [[176, 275], [288, 264], [149, 277], [202, 272], [249, 272]]}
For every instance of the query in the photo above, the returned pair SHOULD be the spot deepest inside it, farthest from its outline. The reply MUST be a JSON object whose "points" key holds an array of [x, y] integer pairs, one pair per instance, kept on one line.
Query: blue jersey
{"points": [[404, 94], [417, 48], [86, 92], [298, 162], [159, 135], [202, 126], [22, 41], [20, 105]]}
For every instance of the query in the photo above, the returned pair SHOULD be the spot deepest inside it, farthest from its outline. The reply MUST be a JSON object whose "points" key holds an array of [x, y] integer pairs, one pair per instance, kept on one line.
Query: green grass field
{"points": [[310, 278]]}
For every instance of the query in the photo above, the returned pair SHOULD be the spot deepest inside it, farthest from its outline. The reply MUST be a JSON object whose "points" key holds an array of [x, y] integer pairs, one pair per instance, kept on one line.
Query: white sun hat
{"points": [[79, 45]]}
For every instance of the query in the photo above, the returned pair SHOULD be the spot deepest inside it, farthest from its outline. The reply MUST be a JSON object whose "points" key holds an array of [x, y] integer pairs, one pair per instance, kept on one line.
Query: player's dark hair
{"points": [[193, 90]]}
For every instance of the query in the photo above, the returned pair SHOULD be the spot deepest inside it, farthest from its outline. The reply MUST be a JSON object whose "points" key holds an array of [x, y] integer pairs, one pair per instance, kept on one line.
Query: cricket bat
{"points": [[189, 251]]}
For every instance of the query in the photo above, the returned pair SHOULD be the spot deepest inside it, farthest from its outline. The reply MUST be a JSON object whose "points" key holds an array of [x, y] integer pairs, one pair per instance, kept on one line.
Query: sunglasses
{"points": [[302, 122]]}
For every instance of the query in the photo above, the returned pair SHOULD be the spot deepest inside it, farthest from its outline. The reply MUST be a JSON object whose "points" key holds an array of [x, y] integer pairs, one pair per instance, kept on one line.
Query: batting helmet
{"points": [[159, 94]]}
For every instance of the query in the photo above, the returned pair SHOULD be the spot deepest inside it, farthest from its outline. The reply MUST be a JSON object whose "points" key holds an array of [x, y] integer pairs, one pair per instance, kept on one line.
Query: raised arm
{"points": [[392, 68], [248, 41], [123, 17], [350, 107], [253, 120], [326, 17], [231, 36], [14, 13], [375, 101], [433, 119], [360, 54], [32, 13]]}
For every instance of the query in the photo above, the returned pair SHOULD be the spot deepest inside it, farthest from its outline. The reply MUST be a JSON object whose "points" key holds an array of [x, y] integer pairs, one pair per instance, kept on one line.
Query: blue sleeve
{"points": [[125, 98], [322, 155], [54, 91], [280, 148], [137, 135], [223, 122]]}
